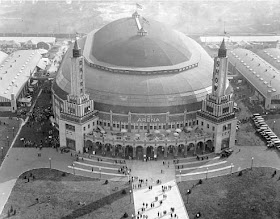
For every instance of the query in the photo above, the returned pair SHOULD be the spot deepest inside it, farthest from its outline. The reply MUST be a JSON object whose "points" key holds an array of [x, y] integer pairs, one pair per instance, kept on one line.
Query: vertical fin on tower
{"points": [[222, 50]]}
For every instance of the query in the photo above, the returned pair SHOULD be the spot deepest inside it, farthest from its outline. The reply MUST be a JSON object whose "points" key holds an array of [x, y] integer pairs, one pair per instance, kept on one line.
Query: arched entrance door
{"points": [[170, 151], [89, 147], [190, 148], [128, 151], [118, 151], [98, 148], [139, 152], [160, 152], [199, 148], [209, 148], [180, 150], [150, 152]]}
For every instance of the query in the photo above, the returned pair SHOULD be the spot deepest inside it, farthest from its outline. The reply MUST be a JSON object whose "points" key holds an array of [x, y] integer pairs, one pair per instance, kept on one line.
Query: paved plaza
{"points": [[19, 160], [170, 198]]}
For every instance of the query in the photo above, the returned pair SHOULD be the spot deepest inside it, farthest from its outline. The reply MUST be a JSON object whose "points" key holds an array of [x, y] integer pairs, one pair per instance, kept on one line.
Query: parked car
{"points": [[226, 152]]}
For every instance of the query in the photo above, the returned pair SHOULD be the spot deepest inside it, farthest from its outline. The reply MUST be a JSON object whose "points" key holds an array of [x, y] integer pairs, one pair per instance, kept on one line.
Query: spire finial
{"points": [[76, 49]]}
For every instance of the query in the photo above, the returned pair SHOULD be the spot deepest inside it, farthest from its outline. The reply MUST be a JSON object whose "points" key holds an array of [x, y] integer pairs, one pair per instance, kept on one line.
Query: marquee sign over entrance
{"points": [[148, 118]]}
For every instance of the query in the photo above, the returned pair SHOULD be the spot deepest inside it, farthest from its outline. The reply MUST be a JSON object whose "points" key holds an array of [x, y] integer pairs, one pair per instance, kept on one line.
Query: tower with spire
{"points": [[78, 116], [217, 114]]}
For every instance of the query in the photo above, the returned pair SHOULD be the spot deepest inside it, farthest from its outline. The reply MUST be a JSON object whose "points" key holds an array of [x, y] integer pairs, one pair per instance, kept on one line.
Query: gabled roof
{"points": [[263, 76]]}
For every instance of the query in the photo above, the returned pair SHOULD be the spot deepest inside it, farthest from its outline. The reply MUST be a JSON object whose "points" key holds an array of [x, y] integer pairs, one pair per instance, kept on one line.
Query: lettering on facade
{"points": [[148, 119], [136, 118]]}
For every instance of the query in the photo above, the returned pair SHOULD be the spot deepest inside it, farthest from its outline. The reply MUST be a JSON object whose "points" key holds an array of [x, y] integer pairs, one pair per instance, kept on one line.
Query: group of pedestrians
{"points": [[124, 170]]}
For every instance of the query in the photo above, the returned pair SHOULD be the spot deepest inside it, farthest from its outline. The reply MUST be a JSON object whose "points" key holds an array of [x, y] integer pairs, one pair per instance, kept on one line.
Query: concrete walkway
{"points": [[170, 199], [19, 160]]}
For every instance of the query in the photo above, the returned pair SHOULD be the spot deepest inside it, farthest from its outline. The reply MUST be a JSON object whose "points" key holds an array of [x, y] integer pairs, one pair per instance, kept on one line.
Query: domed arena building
{"points": [[142, 76]]}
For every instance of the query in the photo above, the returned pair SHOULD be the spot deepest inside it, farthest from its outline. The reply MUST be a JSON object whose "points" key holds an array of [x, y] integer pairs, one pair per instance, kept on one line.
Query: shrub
{"points": [[125, 215], [106, 182], [11, 209], [123, 191], [200, 181], [63, 174], [240, 173]]}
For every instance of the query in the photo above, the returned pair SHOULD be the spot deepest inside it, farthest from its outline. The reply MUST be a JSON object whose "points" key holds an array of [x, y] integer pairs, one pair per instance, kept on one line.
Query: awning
{"points": [[34, 82], [25, 100], [42, 65]]}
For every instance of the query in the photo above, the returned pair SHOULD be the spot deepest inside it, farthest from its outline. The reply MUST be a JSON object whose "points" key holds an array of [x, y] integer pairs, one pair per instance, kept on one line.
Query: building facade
{"points": [[78, 116], [152, 84], [217, 109]]}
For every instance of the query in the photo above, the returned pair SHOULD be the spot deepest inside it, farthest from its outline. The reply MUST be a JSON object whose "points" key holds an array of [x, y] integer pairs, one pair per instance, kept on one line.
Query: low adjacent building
{"points": [[260, 76], [15, 74]]}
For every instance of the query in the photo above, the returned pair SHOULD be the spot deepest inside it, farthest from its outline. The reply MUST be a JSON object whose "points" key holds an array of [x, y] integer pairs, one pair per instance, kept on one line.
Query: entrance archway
{"points": [[98, 148], [128, 151], [89, 147], [199, 147], [209, 147], [191, 148], [150, 152], [170, 151], [139, 152], [118, 151], [160, 152], [181, 150]]}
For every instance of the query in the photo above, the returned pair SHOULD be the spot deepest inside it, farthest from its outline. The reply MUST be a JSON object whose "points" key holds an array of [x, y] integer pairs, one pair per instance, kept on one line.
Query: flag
{"points": [[139, 6], [145, 20], [226, 34]]}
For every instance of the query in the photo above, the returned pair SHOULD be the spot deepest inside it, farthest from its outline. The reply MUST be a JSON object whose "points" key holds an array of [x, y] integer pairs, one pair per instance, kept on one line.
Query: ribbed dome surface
{"points": [[118, 44]]}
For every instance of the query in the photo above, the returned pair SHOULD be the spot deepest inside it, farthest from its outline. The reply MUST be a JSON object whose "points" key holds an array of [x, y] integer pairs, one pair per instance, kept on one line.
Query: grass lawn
{"points": [[60, 197], [255, 194]]}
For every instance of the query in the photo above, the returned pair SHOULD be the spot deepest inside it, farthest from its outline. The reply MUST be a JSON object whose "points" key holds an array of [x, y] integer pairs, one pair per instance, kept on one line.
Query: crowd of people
{"points": [[158, 201]]}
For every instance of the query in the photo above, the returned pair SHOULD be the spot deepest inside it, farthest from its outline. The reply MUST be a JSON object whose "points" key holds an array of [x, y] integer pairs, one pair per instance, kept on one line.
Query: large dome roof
{"points": [[118, 44], [136, 87]]}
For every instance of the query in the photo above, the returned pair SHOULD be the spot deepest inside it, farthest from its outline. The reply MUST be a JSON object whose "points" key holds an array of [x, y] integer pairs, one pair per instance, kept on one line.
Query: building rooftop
{"points": [[118, 44], [271, 55], [2, 56], [264, 77], [15, 70], [212, 39], [34, 40]]}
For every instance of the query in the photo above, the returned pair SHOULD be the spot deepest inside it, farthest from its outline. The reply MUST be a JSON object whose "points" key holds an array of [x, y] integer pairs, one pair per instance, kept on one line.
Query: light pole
{"points": [[13, 131], [252, 162], [2, 152], [188, 193], [180, 176], [50, 160], [73, 165], [8, 140], [273, 125], [231, 166], [100, 171], [130, 192], [206, 172]]}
